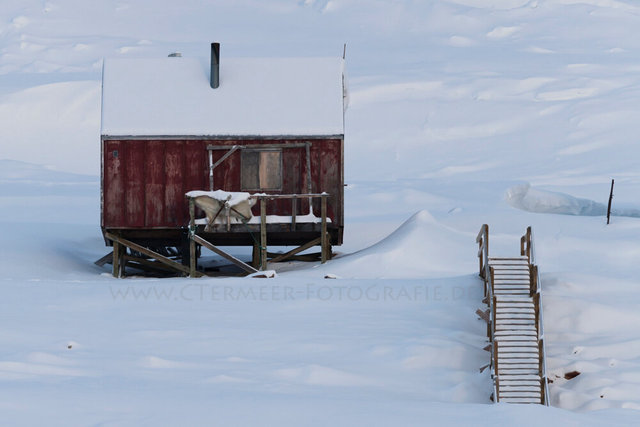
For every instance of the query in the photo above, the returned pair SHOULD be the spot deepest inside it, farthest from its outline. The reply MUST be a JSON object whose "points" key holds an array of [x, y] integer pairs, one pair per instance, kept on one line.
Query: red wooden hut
{"points": [[262, 126]]}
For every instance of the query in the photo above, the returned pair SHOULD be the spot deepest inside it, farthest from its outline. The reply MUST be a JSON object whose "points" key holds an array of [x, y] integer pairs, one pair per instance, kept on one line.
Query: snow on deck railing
{"points": [[230, 208]]}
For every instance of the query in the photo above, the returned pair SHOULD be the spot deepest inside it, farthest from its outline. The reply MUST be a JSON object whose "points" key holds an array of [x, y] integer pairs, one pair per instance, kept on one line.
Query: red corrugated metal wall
{"points": [[144, 181]]}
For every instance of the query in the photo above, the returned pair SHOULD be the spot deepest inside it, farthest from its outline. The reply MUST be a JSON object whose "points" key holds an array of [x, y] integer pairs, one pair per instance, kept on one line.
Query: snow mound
{"points": [[530, 199], [16, 171], [21, 179], [420, 247]]}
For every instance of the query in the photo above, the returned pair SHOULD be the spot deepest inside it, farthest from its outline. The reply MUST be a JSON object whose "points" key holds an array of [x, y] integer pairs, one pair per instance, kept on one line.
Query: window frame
{"points": [[244, 187]]}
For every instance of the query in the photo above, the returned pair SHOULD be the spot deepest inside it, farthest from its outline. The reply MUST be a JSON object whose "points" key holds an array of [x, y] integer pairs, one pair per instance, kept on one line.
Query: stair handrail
{"points": [[528, 246], [483, 250], [485, 272]]}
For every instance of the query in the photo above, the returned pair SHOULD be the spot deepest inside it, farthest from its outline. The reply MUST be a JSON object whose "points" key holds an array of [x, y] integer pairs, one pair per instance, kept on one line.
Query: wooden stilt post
{"points": [[116, 259], [294, 208], [263, 233], [193, 257], [255, 255], [323, 232]]}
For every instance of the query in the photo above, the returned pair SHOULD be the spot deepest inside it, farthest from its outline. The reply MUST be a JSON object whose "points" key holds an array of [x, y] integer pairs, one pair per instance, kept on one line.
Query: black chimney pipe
{"points": [[215, 65]]}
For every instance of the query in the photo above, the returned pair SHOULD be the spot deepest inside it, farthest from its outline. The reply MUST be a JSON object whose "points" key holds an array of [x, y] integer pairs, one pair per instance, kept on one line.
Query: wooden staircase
{"points": [[514, 328]]}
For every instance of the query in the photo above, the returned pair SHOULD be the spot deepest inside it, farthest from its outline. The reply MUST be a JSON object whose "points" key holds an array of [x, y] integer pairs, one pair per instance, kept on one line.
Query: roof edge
{"points": [[218, 137]]}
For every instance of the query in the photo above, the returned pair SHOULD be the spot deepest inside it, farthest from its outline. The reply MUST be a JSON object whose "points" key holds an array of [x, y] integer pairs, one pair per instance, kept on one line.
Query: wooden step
{"points": [[513, 371], [524, 285], [533, 353], [529, 362], [519, 311], [513, 322], [512, 272], [500, 316], [519, 378], [525, 301], [520, 400], [535, 397], [503, 301], [518, 336], [522, 346], [516, 327], [517, 352], [520, 389], [529, 385], [528, 397]]}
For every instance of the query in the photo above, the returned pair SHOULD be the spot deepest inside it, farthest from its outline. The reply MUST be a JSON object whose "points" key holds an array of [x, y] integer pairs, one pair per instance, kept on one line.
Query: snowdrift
{"points": [[420, 247], [530, 199]]}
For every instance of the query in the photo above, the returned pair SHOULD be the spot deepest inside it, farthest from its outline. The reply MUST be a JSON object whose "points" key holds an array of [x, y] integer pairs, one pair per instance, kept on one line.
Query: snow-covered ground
{"points": [[462, 112]]}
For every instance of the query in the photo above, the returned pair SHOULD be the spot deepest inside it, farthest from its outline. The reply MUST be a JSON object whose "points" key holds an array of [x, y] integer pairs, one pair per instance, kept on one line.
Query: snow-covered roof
{"points": [[256, 96]]}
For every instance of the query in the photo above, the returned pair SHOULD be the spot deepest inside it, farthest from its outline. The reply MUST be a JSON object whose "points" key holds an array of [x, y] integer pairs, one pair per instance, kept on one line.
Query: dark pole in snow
{"points": [[610, 199], [215, 65]]}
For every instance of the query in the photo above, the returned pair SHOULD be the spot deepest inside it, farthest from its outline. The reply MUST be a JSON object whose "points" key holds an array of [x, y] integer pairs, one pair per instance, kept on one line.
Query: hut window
{"points": [[261, 169]]}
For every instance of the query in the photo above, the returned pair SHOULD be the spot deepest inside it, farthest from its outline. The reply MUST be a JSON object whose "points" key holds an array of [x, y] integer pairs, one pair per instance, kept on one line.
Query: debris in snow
{"points": [[571, 375], [267, 274]]}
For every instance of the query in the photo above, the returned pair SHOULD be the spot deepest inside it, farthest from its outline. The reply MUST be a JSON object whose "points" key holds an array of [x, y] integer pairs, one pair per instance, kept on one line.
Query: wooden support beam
{"points": [[148, 252], [311, 257], [213, 248], [484, 315], [107, 259], [323, 232], [296, 250], [153, 265], [263, 234]]}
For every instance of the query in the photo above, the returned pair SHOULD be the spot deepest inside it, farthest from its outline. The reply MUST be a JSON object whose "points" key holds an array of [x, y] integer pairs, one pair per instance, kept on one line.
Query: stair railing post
{"points": [[533, 280], [496, 378], [193, 258], [323, 233]]}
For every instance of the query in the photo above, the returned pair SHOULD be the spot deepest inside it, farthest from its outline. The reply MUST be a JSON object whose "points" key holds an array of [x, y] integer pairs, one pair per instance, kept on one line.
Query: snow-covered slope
{"points": [[462, 112]]}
